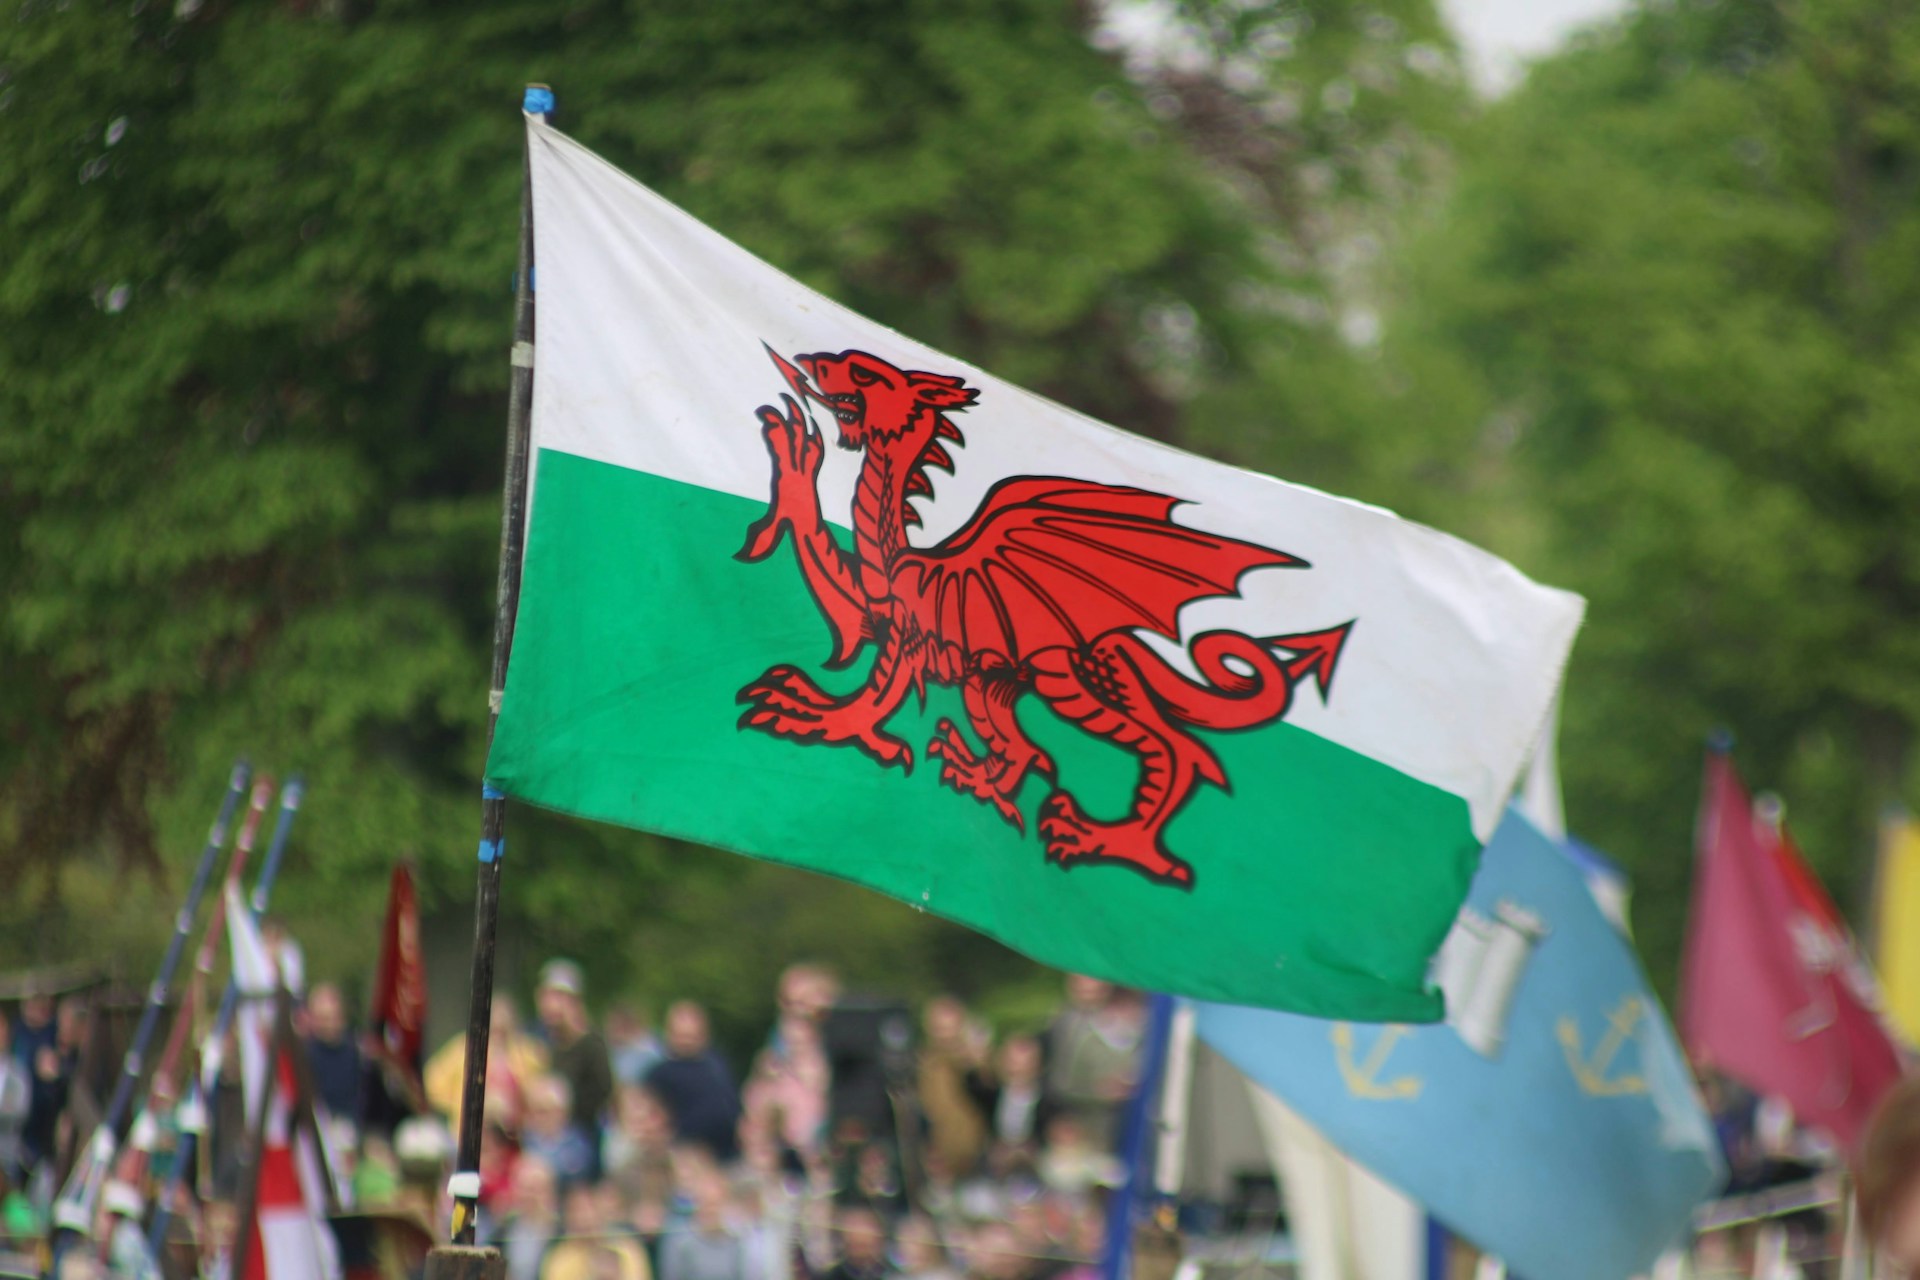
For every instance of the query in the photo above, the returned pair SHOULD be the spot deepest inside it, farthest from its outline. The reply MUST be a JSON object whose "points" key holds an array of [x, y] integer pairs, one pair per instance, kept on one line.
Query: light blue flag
{"points": [[1552, 1120]]}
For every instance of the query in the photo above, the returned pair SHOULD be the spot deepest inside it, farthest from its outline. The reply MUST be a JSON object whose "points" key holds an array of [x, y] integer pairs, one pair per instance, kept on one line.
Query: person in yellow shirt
{"points": [[514, 1060]]}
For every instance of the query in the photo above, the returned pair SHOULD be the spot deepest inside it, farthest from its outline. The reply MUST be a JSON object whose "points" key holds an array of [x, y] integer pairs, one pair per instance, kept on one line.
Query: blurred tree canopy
{"points": [[1672, 317], [1650, 326], [255, 300]]}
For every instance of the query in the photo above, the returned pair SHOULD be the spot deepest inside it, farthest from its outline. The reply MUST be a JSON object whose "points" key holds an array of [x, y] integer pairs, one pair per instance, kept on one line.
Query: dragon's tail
{"points": [[1243, 681]]}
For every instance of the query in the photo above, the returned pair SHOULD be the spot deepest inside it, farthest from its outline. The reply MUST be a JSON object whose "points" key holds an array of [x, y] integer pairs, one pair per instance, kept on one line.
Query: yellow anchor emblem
{"points": [[1590, 1073], [1363, 1078]]}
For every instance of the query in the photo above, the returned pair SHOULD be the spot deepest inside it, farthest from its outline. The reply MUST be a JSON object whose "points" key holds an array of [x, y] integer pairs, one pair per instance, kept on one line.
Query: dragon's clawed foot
{"points": [[948, 744], [787, 688], [983, 778], [787, 704], [1072, 836]]}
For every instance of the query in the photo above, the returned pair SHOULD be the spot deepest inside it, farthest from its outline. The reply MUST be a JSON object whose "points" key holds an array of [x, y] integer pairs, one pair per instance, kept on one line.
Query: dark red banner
{"points": [[400, 987]]}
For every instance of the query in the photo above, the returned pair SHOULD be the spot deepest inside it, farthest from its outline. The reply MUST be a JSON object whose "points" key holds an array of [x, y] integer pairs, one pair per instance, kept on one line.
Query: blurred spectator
{"points": [[617, 1214], [498, 1156], [219, 1228], [636, 1154], [993, 1253], [862, 1246], [578, 1054], [953, 1050], [529, 1230], [590, 1248], [804, 995], [127, 1254], [550, 1134], [707, 1247], [767, 1236], [785, 1097], [784, 1103], [1041, 1226], [631, 1044], [875, 1181], [333, 1054], [376, 1175], [16, 1096], [20, 1218], [694, 1084], [35, 1030], [54, 1067], [922, 1254], [1070, 1162], [1888, 1176], [1088, 1247], [1013, 1098], [1095, 1054], [423, 1148], [513, 1059]]}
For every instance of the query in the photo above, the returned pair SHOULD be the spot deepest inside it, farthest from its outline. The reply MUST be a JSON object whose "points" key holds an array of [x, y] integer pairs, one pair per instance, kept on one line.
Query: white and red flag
{"points": [[289, 1238]]}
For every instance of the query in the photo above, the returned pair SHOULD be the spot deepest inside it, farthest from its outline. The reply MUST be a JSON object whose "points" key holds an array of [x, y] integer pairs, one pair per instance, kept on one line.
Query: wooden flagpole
{"points": [[465, 1186]]}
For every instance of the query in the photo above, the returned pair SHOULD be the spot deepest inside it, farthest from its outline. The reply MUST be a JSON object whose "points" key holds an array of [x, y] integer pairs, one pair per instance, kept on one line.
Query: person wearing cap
{"points": [[579, 1054]]}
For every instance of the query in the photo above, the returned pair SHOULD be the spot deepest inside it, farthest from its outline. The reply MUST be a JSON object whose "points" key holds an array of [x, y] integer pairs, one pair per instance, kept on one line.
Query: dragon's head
{"points": [[876, 402]]}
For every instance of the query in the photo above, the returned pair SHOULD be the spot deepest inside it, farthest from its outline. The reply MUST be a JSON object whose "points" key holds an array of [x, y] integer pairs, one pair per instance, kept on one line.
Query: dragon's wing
{"points": [[1047, 562]]}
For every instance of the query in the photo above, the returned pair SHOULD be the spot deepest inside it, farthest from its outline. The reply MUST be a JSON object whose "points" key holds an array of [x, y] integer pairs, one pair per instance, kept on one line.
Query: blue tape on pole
{"points": [[490, 850], [490, 792], [539, 100]]}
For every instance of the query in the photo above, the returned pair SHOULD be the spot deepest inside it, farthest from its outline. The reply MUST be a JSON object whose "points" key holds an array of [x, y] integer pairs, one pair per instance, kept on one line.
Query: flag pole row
{"points": [[193, 1108], [74, 1207], [145, 1133]]}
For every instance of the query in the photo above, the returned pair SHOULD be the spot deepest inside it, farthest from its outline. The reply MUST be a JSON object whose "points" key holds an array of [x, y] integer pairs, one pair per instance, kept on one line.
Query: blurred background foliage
{"points": [[1646, 325]]}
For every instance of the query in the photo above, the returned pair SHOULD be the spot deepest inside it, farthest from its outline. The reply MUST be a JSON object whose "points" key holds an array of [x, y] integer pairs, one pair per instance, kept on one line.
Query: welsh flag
{"points": [[801, 587]]}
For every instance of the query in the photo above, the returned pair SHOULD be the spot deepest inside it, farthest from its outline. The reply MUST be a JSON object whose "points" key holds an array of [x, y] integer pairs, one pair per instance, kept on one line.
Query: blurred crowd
{"points": [[862, 1139]]}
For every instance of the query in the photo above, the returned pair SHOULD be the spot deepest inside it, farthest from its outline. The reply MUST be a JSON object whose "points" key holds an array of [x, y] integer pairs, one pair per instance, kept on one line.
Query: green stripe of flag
{"points": [[1324, 879]]}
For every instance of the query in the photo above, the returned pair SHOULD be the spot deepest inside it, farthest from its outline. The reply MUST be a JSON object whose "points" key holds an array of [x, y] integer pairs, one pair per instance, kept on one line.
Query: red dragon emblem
{"points": [[1044, 591]]}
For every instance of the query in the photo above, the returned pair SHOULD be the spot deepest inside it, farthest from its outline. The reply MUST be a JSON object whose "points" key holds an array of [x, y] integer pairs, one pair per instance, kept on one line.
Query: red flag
{"points": [[1773, 991], [400, 989]]}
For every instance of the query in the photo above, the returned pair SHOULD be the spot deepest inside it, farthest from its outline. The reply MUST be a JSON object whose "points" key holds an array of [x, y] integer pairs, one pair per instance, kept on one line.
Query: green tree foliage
{"points": [[254, 301], [1667, 337]]}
